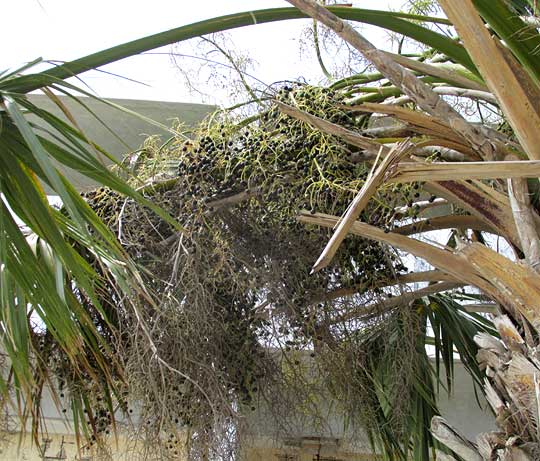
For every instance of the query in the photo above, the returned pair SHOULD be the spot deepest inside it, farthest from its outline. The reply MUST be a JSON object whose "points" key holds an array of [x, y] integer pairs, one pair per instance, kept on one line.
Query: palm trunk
{"points": [[512, 389], [512, 365]]}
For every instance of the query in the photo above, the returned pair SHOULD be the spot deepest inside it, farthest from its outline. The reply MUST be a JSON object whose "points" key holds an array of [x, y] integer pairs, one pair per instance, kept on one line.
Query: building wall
{"points": [[261, 441], [307, 449], [466, 410]]}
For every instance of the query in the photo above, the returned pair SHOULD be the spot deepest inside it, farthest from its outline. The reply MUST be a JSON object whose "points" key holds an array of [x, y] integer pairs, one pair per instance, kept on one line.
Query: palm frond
{"points": [[401, 23], [46, 284]]}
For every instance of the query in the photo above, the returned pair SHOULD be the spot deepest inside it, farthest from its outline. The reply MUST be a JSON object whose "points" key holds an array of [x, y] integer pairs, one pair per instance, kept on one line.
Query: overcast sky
{"points": [[68, 29]]}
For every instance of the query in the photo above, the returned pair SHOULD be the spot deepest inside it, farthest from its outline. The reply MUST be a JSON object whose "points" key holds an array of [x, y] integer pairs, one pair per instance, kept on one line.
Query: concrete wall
{"points": [[462, 409], [265, 439], [262, 441]]}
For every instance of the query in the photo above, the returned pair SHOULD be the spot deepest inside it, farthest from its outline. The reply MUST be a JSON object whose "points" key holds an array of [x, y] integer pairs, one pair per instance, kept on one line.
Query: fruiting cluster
{"points": [[235, 285]]}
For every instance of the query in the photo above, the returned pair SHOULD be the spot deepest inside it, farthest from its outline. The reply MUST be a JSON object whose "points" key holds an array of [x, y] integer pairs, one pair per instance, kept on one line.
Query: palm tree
{"points": [[458, 161], [71, 253]]}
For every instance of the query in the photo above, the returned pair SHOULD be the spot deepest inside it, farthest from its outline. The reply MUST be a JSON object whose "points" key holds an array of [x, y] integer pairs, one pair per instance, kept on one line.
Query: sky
{"points": [[68, 29]]}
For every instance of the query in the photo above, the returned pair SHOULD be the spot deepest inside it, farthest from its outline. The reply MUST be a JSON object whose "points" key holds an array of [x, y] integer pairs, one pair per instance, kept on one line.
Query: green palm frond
{"points": [[401, 23], [521, 38], [453, 330], [46, 284]]}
